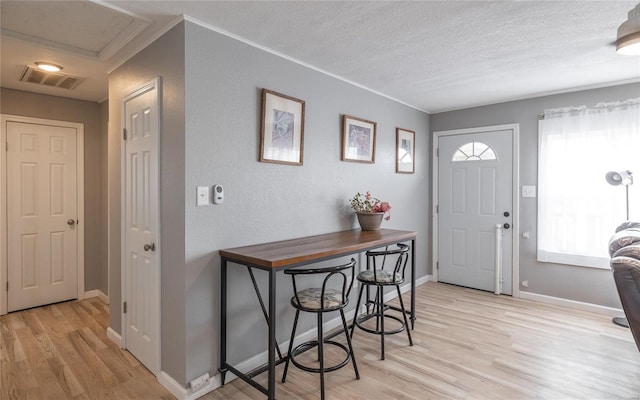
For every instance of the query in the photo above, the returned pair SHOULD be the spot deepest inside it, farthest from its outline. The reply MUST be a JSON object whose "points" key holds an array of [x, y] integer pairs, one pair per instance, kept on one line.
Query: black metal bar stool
{"points": [[322, 300], [376, 275]]}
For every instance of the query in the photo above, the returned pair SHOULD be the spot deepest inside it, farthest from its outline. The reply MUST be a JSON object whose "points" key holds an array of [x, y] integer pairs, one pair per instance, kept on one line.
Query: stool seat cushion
{"points": [[381, 276], [310, 299]]}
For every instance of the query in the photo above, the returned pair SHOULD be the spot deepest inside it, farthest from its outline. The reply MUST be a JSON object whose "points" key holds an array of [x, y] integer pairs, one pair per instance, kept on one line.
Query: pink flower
{"points": [[384, 207]]}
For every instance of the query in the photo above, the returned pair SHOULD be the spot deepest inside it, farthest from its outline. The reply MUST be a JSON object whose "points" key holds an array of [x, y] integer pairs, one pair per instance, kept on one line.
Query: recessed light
{"points": [[45, 66]]}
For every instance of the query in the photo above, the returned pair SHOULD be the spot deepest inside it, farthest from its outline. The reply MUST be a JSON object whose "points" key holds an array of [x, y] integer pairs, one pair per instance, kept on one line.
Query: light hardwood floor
{"points": [[62, 351], [468, 344]]}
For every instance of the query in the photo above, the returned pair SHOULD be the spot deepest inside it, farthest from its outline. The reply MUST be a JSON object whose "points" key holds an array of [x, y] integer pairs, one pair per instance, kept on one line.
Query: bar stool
{"points": [[376, 275], [320, 301]]}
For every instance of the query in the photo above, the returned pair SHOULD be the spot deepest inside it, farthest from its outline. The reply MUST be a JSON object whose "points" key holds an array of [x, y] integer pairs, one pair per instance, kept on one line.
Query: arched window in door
{"points": [[474, 151]]}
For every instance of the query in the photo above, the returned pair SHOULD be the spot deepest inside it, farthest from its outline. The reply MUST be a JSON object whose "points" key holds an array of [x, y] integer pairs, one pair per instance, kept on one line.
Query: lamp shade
{"points": [[616, 178], [628, 40]]}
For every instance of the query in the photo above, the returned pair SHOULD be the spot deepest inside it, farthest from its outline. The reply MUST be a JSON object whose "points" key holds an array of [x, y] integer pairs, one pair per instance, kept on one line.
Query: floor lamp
{"points": [[624, 178]]}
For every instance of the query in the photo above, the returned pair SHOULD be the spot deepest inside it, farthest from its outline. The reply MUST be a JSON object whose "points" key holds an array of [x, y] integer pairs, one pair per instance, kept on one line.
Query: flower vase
{"points": [[370, 221]]}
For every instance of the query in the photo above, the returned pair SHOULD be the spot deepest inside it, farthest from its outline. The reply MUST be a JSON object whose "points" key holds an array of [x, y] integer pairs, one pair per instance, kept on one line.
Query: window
{"points": [[474, 151], [578, 210]]}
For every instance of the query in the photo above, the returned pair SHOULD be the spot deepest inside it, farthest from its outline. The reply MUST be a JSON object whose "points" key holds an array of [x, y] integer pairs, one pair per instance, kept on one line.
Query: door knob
{"points": [[151, 246], [506, 213], [506, 226], [71, 222]]}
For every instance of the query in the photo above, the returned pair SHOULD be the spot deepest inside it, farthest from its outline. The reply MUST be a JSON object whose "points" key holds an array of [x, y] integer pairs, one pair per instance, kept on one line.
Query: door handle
{"points": [[150, 246], [506, 226], [71, 222]]}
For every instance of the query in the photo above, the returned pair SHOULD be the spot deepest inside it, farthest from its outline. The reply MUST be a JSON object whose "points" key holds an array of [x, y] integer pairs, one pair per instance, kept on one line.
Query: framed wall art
{"points": [[358, 139], [281, 129], [405, 151]]}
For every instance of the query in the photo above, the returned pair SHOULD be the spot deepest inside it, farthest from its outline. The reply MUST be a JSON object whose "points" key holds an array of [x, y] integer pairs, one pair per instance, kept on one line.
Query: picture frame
{"points": [[358, 139], [405, 151], [281, 129]]}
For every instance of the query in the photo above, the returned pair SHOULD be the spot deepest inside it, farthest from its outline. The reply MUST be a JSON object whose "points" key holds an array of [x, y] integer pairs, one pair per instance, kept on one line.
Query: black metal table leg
{"points": [[223, 319], [413, 283], [264, 310], [272, 336]]}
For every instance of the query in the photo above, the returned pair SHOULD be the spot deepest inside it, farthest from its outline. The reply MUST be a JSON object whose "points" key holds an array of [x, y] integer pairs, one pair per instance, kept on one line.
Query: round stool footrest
{"points": [[314, 343], [363, 318]]}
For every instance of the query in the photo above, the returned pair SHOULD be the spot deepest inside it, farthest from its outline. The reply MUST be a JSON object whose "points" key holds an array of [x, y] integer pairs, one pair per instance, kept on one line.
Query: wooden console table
{"points": [[276, 256]]}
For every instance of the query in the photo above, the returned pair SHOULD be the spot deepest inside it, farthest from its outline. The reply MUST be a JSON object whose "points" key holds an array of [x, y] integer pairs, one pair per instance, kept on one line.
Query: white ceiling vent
{"points": [[53, 79]]}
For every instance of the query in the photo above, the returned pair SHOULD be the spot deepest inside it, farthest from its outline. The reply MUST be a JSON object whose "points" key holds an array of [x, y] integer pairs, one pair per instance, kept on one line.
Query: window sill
{"points": [[574, 260]]}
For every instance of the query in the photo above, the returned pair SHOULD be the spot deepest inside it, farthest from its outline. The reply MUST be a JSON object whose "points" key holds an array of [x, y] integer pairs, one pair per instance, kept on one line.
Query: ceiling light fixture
{"points": [[628, 42], [45, 66]]}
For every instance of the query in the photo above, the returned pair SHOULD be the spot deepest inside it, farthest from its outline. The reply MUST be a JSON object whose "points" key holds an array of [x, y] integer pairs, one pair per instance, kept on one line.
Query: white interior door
{"points": [[475, 190], [141, 228], [42, 212]]}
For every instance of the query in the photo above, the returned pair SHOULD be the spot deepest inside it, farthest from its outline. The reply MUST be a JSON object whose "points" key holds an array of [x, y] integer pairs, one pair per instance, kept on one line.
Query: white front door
{"points": [[42, 213], [141, 229], [475, 197]]}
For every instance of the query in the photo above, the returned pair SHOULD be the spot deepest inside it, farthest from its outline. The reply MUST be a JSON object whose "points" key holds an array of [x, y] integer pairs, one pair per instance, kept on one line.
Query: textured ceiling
{"points": [[434, 55]]}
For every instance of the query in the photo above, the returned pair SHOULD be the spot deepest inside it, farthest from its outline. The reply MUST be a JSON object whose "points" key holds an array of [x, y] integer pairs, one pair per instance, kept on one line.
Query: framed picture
{"points": [[405, 151], [358, 139], [281, 129]]}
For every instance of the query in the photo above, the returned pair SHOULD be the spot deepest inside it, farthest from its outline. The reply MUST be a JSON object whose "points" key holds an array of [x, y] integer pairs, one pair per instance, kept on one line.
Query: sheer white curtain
{"points": [[578, 210]]}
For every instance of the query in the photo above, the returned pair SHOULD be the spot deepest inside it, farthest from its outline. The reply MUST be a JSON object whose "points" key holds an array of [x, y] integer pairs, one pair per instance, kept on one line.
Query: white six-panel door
{"points": [[474, 196], [141, 227], [42, 214]]}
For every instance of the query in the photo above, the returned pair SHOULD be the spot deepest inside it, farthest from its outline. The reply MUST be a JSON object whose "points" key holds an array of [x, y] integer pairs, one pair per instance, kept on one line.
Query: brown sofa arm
{"points": [[626, 274]]}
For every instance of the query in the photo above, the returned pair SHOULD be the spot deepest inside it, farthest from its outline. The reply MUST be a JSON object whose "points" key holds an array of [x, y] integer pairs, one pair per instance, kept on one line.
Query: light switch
{"points": [[528, 191], [202, 196]]}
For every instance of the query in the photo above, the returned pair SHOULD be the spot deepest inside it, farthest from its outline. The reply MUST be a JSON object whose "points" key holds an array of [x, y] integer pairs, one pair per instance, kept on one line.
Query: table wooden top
{"points": [[287, 253]]}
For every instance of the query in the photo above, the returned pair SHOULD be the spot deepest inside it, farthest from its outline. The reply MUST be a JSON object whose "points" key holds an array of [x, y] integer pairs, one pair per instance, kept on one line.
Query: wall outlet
{"points": [[199, 382], [525, 283]]}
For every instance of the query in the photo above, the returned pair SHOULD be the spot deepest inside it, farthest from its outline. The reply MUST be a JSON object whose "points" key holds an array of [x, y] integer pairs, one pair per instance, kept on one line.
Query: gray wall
{"points": [[267, 202], [164, 58], [16, 102], [570, 282]]}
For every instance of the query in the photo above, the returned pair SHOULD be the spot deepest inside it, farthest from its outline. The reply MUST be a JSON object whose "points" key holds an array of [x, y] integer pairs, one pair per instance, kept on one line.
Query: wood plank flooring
{"points": [[468, 344], [62, 351]]}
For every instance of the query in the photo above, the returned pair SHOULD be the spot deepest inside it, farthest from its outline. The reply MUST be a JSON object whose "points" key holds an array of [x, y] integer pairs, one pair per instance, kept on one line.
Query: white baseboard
{"points": [[407, 287], [97, 293], [114, 336], [423, 280], [183, 393], [578, 305]]}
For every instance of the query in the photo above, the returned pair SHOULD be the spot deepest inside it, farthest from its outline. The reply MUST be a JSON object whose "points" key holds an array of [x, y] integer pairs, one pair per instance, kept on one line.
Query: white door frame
{"points": [[157, 85], [6, 118], [515, 132]]}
